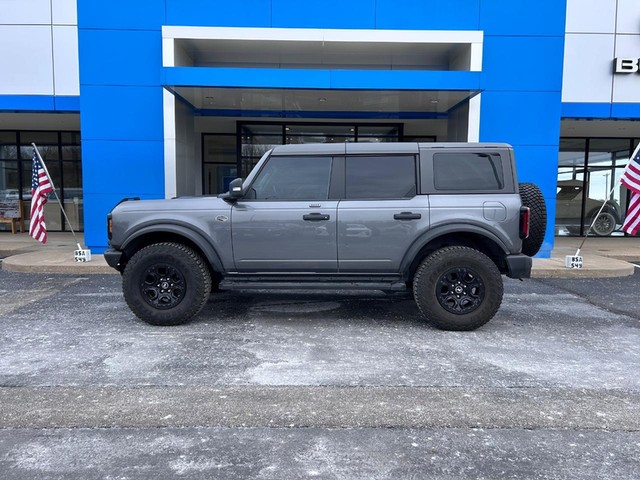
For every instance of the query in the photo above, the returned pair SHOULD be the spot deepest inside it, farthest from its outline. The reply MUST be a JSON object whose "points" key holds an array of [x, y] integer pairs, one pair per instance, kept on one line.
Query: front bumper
{"points": [[112, 257], [519, 266]]}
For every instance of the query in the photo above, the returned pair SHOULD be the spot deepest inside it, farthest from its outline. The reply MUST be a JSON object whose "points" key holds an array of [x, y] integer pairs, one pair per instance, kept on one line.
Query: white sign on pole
{"points": [[573, 261]]}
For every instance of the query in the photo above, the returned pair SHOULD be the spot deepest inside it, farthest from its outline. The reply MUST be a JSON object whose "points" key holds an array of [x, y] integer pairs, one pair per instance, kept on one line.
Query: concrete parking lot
{"points": [[318, 385]]}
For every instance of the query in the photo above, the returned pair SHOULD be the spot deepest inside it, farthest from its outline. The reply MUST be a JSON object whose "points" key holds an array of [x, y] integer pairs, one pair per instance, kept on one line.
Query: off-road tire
{"points": [[531, 197], [471, 267], [177, 266]]}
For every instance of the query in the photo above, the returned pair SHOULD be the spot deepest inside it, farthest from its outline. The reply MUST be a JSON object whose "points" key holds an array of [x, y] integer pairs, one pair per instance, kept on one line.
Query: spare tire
{"points": [[532, 197]]}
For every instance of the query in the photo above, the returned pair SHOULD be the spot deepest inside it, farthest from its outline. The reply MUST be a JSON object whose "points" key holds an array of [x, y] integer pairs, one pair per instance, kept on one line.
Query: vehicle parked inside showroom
{"points": [[569, 210]]}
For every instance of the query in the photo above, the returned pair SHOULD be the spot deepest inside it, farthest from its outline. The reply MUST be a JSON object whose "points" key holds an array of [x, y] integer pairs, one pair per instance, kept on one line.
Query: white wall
{"points": [[38, 47], [598, 31]]}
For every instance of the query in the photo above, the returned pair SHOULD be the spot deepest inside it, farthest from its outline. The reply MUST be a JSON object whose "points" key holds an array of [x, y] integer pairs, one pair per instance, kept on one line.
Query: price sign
{"points": [[573, 261], [82, 255]]}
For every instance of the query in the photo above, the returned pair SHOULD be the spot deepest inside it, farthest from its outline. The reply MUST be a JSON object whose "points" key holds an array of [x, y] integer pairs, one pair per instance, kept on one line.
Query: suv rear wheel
{"points": [[166, 284], [458, 288]]}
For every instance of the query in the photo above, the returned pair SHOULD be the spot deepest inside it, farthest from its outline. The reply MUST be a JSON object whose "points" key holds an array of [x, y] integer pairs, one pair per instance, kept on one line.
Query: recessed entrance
{"points": [[226, 157]]}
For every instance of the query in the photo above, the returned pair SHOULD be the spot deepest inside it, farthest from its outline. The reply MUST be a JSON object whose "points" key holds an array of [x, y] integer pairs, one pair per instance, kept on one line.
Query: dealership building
{"points": [[160, 98]]}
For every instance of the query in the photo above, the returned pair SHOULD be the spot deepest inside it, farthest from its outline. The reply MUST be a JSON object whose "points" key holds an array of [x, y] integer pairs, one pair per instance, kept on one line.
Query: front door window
{"points": [[286, 223]]}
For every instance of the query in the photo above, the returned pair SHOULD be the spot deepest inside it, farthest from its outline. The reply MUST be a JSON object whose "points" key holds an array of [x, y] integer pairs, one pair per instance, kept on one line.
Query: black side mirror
{"points": [[235, 190]]}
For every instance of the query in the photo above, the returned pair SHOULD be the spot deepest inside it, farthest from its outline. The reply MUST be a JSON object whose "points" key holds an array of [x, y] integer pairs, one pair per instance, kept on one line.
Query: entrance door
{"points": [[287, 222]]}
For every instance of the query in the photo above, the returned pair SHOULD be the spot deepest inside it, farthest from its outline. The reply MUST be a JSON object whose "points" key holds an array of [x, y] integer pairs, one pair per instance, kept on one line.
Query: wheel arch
{"points": [[455, 235], [172, 233]]}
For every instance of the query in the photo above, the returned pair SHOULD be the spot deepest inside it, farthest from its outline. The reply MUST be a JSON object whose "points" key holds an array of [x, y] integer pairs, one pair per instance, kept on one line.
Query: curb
{"points": [[595, 266], [56, 262]]}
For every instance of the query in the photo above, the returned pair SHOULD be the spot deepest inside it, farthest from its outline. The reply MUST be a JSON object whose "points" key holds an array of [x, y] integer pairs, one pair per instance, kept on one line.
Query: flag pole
{"points": [[44, 166]]}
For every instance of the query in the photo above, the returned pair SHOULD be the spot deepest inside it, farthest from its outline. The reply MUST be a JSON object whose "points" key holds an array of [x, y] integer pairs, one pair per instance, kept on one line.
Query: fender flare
{"points": [[184, 231], [441, 231]]}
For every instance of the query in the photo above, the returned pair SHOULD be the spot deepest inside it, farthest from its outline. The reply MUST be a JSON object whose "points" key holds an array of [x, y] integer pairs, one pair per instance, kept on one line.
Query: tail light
{"points": [[109, 226], [525, 213]]}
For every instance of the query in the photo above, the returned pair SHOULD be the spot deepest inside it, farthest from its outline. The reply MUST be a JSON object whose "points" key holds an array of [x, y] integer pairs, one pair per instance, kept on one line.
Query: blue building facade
{"points": [[122, 79], [158, 98]]}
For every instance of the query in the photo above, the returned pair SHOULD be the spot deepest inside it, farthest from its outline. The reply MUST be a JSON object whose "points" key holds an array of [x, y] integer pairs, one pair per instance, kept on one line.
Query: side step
{"points": [[314, 282]]}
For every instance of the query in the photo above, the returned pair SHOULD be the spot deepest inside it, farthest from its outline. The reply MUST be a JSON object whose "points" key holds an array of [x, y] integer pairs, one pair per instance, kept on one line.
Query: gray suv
{"points": [[442, 220]]}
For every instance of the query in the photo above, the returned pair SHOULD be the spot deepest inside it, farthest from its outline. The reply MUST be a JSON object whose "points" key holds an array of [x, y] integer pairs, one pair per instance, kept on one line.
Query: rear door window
{"points": [[468, 171], [387, 176]]}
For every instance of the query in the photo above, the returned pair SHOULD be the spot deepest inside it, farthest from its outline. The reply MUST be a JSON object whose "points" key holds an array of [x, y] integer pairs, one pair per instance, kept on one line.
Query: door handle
{"points": [[315, 217], [407, 216]]}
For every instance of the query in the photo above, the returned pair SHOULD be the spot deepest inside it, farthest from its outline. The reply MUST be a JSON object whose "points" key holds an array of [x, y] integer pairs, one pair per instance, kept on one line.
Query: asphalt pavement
{"points": [[329, 385]]}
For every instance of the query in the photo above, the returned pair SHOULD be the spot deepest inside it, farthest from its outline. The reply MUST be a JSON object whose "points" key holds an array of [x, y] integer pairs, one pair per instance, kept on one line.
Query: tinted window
{"points": [[381, 177], [293, 178], [468, 171]]}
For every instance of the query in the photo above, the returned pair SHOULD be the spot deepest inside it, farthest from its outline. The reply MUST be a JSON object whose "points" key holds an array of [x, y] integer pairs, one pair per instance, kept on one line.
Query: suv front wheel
{"points": [[166, 284], [458, 288]]}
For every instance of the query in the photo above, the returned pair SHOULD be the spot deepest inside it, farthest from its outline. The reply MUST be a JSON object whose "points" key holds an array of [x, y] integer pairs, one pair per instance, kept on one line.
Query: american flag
{"points": [[40, 187], [631, 180]]}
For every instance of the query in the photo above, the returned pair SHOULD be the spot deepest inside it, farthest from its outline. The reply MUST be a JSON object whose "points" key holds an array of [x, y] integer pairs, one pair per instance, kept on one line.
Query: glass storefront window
{"points": [[220, 167], [8, 180], [607, 159], [571, 163], [66, 175], [8, 147], [218, 176], [589, 170]]}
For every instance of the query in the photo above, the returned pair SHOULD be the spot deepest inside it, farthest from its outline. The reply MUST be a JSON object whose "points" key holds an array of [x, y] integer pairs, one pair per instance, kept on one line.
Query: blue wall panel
{"points": [[138, 167], [530, 121], [248, 13], [121, 113], [427, 14], [323, 14], [113, 170], [320, 79], [522, 63], [27, 103], [625, 110], [39, 103], [586, 110], [120, 57], [67, 103], [523, 118], [121, 14], [518, 17]]}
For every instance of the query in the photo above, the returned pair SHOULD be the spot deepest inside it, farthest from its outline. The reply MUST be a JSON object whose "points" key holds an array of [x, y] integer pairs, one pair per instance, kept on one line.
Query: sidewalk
{"points": [[603, 257], [24, 254]]}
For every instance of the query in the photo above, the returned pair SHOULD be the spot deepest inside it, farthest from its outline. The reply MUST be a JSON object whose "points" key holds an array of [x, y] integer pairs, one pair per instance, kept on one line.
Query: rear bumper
{"points": [[112, 257], [519, 266]]}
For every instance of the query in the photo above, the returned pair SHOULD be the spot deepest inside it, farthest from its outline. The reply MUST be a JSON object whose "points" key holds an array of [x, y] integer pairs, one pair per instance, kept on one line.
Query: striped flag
{"points": [[631, 180], [40, 187]]}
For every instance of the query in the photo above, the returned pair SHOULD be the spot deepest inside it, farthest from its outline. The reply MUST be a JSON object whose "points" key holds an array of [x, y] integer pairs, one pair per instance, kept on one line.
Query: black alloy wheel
{"points": [[163, 286], [460, 290]]}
